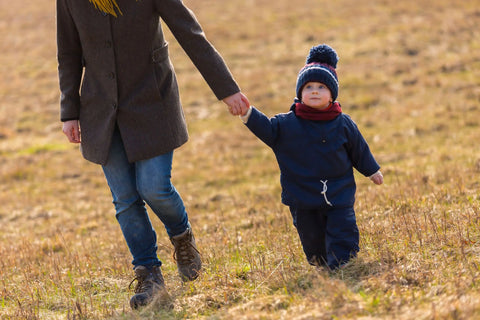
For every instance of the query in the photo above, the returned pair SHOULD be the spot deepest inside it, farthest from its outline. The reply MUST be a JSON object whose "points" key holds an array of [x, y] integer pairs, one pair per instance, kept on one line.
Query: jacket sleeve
{"points": [[264, 128], [184, 26], [69, 57], [359, 151]]}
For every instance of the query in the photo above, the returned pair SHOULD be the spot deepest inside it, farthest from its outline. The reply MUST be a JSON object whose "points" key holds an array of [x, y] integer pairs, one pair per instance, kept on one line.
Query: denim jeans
{"points": [[134, 184]]}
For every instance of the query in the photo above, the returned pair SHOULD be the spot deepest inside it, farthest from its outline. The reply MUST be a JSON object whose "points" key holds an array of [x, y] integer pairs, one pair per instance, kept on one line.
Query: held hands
{"points": [[71, 129], [237, 103], [377, 177]]}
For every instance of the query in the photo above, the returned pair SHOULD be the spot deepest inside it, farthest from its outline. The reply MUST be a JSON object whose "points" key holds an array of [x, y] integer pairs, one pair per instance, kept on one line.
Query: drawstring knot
{"points": [[324, 192]]}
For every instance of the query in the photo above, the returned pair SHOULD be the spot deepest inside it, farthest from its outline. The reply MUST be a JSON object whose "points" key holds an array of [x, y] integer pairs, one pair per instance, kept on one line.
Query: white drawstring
{"points": [[324, 192]]}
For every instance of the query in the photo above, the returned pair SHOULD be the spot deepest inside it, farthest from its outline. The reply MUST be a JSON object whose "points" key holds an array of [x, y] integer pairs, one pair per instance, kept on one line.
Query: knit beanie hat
{"points": [[320, 67]]}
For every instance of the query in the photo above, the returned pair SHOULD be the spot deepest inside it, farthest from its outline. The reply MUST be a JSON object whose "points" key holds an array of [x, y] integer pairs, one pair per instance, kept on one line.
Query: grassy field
{"points": [[409, 76]]}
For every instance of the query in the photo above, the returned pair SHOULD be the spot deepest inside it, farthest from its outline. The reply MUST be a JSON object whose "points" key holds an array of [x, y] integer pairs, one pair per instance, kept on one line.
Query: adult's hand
{"points": [[71, 129], [237, 103]]}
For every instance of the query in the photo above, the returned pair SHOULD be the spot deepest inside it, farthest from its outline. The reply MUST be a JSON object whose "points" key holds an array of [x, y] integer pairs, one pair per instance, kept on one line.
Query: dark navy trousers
{"points": [[329, 237]]}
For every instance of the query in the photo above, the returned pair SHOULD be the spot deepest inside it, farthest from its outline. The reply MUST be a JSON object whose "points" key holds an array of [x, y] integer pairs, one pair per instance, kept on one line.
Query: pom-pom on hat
{"points": [[320, 67]]}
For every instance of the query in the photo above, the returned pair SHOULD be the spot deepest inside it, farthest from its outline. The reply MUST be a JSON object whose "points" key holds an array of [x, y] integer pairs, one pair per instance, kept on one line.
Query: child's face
{"points": [[316, 95]]}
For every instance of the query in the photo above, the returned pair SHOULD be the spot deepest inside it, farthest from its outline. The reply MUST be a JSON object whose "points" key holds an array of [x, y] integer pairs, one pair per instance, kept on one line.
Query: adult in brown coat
{"points": [[120, 100]]}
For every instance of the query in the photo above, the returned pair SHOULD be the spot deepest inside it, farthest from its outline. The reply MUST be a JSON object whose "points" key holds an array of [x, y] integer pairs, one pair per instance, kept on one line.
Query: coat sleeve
{"points": [[264, 128], [184, 26], [69, 57], [359, 151]]}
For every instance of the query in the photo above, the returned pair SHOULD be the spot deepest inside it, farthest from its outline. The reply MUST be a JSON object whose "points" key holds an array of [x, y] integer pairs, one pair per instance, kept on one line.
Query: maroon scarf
{"points": [[308, 113]]}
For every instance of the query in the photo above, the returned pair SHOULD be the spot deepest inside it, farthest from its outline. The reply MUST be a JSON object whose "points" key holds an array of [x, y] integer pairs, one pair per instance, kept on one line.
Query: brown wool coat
{"points": [[128, 78]]}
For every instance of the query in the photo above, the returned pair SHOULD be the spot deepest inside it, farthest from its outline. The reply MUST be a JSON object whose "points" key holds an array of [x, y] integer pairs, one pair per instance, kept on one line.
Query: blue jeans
{"points": [[134, 184]]}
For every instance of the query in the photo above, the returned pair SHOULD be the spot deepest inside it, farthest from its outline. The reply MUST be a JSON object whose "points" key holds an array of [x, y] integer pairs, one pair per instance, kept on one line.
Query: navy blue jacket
{"points": [[309, 152]]}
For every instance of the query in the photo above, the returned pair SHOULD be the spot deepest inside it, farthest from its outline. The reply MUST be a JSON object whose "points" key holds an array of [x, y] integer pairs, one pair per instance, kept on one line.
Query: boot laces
{"points": [[141, 285], [144, 283], [184, 250]]}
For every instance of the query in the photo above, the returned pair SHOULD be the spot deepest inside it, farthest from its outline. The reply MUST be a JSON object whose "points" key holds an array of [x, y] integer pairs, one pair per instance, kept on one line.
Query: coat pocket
{"points": [[160, 54], [165, 76]]}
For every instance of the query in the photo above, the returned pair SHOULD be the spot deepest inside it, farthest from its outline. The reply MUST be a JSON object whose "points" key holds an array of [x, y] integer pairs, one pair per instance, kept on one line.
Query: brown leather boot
{"points": [[187, 256], [150, 286]]}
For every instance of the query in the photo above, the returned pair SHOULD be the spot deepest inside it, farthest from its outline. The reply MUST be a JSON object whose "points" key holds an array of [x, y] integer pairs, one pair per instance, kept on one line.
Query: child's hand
{"points": [[377, 177], [244, 111], [245, 115]]}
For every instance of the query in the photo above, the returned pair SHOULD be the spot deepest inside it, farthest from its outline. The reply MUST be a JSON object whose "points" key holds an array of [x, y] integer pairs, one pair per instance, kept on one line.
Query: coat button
{"points": [[111, 75], [108, 44], [114, 105]]}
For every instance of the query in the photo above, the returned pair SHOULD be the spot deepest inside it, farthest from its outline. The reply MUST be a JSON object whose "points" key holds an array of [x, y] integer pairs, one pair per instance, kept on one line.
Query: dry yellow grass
{"points": [[409, 76]]}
